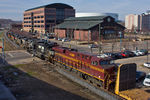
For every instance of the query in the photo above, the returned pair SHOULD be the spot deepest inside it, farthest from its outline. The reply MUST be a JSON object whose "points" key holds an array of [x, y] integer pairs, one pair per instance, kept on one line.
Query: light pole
{"points": [[120, 33], [147, 49], [100, 48]]}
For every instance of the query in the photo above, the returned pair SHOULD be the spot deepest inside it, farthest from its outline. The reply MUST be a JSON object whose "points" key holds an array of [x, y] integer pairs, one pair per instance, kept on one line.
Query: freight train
{"points": [[95, 69]]}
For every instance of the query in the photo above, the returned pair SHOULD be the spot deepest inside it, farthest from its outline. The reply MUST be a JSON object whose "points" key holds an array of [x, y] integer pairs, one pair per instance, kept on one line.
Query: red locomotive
{"points": [[97, 70]]}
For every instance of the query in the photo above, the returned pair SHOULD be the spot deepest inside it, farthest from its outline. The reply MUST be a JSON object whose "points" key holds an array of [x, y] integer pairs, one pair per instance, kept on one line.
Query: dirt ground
{"points": [[39, 81]]}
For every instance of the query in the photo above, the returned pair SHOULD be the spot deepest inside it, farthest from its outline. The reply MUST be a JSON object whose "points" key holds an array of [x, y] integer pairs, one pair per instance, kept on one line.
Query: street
{"points": [[17, 57]]}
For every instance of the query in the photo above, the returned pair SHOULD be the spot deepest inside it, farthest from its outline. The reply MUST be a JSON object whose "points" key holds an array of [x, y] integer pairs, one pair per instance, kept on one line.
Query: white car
{"points": [[102, 56], [147, 65], [93, 46], [65, 40], [138, 53], [146, 81]]}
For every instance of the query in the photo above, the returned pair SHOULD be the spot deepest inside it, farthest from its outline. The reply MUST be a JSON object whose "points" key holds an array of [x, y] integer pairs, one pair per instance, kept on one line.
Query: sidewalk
{"points": [[5, 93]]}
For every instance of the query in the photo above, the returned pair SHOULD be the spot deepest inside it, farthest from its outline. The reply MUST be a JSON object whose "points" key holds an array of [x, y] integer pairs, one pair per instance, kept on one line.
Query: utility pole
{"points": [[120, 40], [100, 49], [147, 50]]}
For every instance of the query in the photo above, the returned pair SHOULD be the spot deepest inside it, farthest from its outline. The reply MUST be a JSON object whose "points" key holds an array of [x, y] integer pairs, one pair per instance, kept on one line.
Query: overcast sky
{"points": [[14, 9]]}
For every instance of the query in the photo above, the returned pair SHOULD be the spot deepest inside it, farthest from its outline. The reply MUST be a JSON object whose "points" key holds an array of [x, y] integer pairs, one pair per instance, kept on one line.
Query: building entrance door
{"points": [[70, 34]]}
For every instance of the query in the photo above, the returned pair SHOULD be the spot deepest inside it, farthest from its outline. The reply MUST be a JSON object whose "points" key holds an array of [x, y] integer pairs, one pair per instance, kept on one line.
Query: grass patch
{"points": [[30, 73], [19, 65]]}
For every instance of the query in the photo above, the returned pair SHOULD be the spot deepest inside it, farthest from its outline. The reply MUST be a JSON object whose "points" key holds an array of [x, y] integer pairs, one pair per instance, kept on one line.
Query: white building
{"points": [[114, 15], [132, 21]]}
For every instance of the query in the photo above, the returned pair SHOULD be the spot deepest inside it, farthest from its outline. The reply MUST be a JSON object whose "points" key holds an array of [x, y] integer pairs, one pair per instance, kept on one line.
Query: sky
{"points": [[13, 9]]}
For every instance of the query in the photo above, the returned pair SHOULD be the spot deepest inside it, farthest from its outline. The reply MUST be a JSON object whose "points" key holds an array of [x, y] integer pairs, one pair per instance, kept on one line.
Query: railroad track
{"points": [[7, 39]]}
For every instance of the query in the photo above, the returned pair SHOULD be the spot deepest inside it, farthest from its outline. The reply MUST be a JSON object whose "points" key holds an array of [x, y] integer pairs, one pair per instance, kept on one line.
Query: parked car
{"points": [[130, 53], [140, 75], [137, 53], [146, 81], [102, 55], [93, 46], [144, 51], [140, 52], [65, 40], [112, 55], [59, 39], [147, 64], [118, 55], [124, 54]]}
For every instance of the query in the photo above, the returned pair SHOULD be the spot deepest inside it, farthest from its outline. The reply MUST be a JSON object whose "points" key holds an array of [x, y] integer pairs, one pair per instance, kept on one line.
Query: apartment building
{"points": [[134, 22]]}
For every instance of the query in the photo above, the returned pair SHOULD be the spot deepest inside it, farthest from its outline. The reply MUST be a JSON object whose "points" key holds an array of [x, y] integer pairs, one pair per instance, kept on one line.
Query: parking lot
{"points": [[138, 59]]}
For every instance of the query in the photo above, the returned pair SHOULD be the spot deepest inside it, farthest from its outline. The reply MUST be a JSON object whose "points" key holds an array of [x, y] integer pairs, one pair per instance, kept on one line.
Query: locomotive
{"points": [[95, 69]]}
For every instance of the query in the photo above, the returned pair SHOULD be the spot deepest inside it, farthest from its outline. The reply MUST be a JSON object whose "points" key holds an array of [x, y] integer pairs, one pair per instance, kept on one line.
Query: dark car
{"points": [[140, 75], [130, 53], [117, 55]]}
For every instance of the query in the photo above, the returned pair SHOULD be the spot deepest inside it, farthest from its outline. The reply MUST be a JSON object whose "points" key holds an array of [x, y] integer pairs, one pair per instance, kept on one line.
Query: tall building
{"points": [[138, 22], [41, 19], [132, 21]]}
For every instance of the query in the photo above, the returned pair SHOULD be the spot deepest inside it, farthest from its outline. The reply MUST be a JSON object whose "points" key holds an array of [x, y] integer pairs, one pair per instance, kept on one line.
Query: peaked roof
{"points": [[54, 5], [78, 24], [81, 22]]}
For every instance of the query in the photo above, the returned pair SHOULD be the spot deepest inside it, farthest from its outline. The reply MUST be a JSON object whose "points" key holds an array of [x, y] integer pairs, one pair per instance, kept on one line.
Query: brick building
{"points": [[41, 19], [89, 28]]}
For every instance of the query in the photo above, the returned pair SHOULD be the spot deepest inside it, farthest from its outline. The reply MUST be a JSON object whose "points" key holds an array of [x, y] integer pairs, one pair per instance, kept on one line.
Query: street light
{"points": [[120, 33], [100, 48]]}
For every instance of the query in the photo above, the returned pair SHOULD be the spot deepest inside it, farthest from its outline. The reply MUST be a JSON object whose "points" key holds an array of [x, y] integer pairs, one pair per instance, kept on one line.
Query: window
{"points": [[82, 56], [86, 57], [42, 21], [47, 26], [42, 25], [50, 16], [106, 62], [50, 21], [94, 63], [42, 16]]}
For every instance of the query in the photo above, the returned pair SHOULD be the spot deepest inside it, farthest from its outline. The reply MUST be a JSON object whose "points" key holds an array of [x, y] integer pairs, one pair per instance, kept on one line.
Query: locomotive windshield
{"points": [[106, 62]]}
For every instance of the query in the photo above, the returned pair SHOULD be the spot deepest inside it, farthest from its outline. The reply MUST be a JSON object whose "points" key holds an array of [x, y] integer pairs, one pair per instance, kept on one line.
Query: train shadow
{"points": [[24, 86]]}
